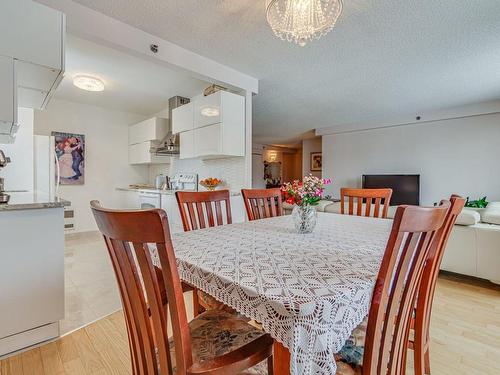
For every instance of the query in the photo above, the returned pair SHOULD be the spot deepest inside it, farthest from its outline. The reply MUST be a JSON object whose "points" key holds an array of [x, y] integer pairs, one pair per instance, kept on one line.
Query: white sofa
{"points": [[474, 245]]}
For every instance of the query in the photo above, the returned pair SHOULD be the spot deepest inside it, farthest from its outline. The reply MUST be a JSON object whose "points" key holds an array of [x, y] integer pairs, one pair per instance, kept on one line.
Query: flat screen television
{"points": [[405, 187]]}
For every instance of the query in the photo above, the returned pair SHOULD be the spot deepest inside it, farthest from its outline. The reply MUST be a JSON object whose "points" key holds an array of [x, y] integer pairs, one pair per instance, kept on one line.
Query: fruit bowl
{"points": [[210, 183]]}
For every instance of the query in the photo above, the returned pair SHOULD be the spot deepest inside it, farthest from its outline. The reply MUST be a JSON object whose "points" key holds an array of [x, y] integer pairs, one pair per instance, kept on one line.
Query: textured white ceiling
{"points": [[132, 84], [384, 58]]}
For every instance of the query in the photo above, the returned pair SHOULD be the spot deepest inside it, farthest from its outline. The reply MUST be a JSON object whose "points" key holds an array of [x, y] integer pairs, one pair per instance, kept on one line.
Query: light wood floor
{"points": [[465, 339]]}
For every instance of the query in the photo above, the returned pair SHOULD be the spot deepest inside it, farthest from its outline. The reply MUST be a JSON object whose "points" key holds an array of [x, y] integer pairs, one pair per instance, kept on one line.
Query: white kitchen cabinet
{"points": [[208, 110], [218, 127], [182, 118], [153, 129], [8, 105], [220, 107], [186, 145], [34, 37], [208, 140], [143, 136], [31, 276], [219, 140], [140, 154], [32, 32]]}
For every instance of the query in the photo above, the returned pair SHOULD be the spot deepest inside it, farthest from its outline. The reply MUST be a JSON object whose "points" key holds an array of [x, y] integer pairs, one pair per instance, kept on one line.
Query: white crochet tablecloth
{"points": [[309, 291]]}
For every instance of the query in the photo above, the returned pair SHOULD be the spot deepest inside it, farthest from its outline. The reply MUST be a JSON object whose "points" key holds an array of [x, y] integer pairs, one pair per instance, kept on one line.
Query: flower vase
{"points": [[304, 218]]}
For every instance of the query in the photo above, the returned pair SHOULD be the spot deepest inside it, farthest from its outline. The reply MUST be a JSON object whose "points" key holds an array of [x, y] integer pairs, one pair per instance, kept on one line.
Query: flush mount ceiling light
{"points": [[88, 83], [210, 111], [301, 21]]}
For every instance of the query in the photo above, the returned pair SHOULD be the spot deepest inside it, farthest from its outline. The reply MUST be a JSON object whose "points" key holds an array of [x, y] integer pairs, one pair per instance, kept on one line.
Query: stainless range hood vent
{"points": [[170, 144]]}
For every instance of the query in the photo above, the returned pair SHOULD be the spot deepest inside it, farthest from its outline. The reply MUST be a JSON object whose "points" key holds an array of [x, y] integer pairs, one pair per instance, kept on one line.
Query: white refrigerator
{"points": [[46, 178]]}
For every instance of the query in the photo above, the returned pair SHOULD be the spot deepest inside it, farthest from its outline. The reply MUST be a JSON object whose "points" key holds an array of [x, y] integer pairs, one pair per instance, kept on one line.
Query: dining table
{"points": [[308, 291]]}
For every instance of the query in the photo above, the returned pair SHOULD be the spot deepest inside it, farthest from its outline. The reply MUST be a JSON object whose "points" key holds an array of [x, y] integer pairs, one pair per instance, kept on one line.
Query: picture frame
{"points": [[70, 153], [316, 162]]}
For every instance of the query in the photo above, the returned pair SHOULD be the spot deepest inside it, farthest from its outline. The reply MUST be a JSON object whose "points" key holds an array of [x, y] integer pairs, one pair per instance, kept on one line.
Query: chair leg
{"points": [[427, 362], [270, 366], [196, 303], [419, 357]]}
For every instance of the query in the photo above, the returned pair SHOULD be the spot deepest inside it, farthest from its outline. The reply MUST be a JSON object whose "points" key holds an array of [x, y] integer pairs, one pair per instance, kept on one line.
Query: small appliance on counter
{"points": [[185, 181], [159, 180], [4, 197], [162, 182]]}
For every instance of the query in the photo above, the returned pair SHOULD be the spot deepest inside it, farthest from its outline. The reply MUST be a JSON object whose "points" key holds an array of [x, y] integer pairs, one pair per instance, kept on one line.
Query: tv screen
{"points": [[405, 187]]}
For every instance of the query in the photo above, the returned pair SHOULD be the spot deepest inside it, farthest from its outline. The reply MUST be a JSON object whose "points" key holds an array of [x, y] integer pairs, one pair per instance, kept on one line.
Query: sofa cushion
{"points": [[333, 208], [322, 205], [491, 215], [468, 217]]}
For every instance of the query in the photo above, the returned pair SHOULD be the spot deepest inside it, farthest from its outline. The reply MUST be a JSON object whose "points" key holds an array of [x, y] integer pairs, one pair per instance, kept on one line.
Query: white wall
{"points": [[452, 156], [106, 163], [308, 146], [18, 174]]}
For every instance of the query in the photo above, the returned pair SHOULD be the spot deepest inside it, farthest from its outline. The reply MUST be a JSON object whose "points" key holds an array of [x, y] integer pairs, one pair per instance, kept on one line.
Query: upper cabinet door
{"points": [[32, 32], [208, 141], [208, 110], [182, 118], [186, 145], [153, 129], [8, 105]]}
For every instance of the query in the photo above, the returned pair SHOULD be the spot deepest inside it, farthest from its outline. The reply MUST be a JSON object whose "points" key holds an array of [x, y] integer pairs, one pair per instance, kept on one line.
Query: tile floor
{"points": [[91, 289]]}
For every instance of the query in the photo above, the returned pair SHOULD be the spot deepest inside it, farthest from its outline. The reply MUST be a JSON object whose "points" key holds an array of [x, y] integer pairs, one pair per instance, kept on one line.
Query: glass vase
{"points": [[304, 218]]}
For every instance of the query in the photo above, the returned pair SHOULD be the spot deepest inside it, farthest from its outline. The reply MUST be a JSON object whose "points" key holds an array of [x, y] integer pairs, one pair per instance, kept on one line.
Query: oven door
{"points": [[149, 200]]}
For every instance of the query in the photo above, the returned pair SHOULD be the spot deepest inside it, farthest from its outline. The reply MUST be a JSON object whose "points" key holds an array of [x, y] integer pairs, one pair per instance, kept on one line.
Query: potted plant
{"points": [[304, 195], [478, 205]]}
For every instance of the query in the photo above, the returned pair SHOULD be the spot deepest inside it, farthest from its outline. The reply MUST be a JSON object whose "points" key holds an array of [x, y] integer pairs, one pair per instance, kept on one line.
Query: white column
{"points": [[248, 139]]}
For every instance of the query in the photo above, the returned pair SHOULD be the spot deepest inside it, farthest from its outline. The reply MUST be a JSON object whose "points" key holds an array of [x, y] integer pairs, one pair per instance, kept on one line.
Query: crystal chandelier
{"points": [[300, 21]]}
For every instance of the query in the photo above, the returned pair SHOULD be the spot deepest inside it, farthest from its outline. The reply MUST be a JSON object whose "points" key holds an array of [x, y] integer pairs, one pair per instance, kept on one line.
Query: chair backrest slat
{"points": [[208, 205], [262, 203], [370, 197], [128, 236], [413, 233], [431, 270]]}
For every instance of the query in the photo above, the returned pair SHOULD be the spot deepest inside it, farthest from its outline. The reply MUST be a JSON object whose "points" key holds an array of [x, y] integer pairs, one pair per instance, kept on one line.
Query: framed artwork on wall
{"points": [[70, 152], [316, 161]]}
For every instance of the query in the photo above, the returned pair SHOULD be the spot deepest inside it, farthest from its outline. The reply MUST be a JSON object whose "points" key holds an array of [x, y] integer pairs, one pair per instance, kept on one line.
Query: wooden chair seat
{"points": [[216, 333]]}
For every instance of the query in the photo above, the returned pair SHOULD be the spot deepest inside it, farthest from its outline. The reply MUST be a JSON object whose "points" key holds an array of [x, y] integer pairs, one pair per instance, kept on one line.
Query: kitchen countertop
{"points": [[32, 200], [166, 192]]}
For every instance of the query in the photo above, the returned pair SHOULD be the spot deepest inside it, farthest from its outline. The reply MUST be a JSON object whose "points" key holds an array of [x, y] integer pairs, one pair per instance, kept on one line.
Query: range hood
{"points": [[170, 144]]}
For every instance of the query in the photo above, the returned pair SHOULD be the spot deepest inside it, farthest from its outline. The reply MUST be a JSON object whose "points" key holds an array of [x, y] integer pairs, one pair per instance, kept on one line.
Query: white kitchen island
{"points": [[31, 270]]}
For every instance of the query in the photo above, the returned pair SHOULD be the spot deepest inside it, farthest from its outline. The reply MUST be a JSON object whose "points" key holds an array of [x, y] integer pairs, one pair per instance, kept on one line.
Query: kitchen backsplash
{"points": [[230, 170]]}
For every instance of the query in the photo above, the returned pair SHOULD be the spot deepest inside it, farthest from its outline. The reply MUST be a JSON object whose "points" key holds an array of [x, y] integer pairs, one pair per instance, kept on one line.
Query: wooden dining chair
{"points": [[197, 209], [422, 316], [381, 342], [364, 199], [262, 203], [196, 348]]}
